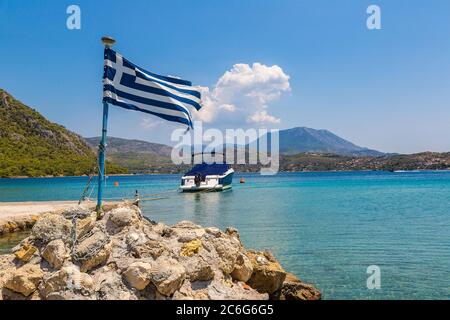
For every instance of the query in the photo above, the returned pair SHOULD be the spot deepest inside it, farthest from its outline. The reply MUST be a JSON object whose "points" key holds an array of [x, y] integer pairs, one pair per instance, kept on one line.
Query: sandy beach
{"points": [[16, 216]]}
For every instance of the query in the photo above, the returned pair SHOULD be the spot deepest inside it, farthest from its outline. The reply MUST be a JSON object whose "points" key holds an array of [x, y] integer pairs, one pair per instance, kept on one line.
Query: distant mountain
{"points": [[138, 156], [30, 145], [391, 162], [146, 157], [302, 139], [120, 145]]}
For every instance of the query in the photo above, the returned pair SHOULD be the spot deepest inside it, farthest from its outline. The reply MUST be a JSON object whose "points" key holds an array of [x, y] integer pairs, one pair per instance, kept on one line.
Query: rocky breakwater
{"points": [[20, 216], [125, 256]]}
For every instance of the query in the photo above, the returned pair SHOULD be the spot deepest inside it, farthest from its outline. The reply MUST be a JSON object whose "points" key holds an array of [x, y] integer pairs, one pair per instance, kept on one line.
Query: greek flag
{"points": [[129, 86]]}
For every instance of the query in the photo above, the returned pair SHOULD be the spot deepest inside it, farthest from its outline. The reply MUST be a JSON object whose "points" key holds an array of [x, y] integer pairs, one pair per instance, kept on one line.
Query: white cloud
{"points": [[243, 94], [240, 96], [263, 117], [228, 107]]}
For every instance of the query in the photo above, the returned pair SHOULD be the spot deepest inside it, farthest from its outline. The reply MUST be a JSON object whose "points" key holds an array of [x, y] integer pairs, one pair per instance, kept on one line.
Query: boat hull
{"points": [[223, 183]]}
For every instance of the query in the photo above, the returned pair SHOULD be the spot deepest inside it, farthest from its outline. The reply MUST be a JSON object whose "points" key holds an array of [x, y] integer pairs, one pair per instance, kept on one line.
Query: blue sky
{"points": [[321, 67]]}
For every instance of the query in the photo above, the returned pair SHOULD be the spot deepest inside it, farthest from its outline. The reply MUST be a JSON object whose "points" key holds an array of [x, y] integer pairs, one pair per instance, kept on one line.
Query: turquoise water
{"points": [[325, 227]]}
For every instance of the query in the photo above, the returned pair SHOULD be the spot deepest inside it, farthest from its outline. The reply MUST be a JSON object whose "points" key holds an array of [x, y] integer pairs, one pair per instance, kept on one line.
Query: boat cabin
{"points": [[207, 177]]}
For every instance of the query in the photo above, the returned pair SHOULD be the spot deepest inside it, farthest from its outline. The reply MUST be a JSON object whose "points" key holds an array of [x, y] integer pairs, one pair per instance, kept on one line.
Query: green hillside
{"points": [[147, 157], [139, 156], [32, 146]]}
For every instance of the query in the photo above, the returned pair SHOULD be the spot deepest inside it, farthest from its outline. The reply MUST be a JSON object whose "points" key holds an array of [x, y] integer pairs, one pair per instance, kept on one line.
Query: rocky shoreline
{"points": [[21, 216], [123, 256]]}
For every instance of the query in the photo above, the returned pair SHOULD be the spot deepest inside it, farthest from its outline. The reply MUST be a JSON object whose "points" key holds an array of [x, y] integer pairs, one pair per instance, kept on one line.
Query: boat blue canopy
{"points": [[206, 169]]}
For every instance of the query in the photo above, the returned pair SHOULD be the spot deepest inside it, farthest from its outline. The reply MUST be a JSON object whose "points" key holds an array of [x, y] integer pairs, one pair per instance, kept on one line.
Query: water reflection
{"points": [[10, 240], [203, 208]]}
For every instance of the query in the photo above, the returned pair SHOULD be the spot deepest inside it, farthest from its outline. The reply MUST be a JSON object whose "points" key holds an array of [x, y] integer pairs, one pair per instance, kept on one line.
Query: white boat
{"points": [[207, 177]]}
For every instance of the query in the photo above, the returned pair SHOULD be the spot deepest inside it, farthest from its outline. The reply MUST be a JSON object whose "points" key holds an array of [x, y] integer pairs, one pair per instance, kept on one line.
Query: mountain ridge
{"points": [[303, 139], [116, 145], [292, 141], [32, 146], [137, 155]]}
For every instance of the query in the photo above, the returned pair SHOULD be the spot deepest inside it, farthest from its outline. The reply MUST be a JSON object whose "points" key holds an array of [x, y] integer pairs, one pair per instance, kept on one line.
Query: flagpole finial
{"points": [[108, 41]]}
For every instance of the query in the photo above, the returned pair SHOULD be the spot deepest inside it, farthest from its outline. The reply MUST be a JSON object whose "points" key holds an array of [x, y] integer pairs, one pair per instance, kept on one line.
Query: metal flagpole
{"points": [[108, 42]]}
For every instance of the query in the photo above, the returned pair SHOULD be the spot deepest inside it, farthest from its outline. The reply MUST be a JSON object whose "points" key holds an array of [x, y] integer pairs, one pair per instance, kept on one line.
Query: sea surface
{"points": [[327, 228]]}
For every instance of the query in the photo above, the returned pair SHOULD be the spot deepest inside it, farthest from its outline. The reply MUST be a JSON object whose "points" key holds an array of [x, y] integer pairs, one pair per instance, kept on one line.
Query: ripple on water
{"points": [[325, 227]]}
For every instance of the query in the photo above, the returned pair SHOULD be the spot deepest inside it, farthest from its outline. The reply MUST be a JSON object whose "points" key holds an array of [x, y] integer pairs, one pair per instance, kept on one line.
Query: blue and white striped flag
{"points": [[129, 86]]}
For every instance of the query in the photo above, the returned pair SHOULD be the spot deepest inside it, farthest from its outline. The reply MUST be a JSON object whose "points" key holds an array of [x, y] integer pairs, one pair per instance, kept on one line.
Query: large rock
{"points": [[7, 294], [56, 253], [138, 274], [85, 219], [108, 285], [84, 226], [52, 226], [187, 231], [197, 269], [150, 293], [25, 252], [6, 267], [268, 275], [67, 283], [223, 290], [192, 291], [243, 268], [217, 289], [228, 249], [145, 248], [120, 258], [167, 275], [121, 217], [25, 279], [98, 259], [93, 251], [213, 231], [294, 289]]}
